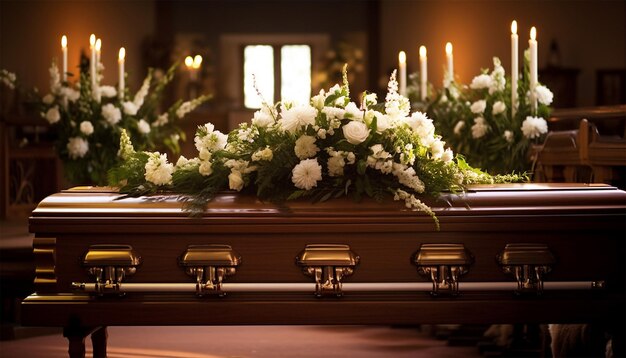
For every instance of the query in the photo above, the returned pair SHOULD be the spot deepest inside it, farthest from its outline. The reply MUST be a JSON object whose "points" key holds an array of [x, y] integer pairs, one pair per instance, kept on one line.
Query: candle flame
{"points": [[448, 48], [98, 45], [422, 51], [122, 54], [92, 40], [197, 61], [514, 27], [402, 57], [533, 33], [64, 41], [188, 61]]}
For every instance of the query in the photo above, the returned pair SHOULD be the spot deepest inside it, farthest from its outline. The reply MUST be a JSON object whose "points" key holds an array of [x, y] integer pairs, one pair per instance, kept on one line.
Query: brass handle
{"points": [[110, 264], [443, 264], [528, 263], [328, 264], [209, 265]]}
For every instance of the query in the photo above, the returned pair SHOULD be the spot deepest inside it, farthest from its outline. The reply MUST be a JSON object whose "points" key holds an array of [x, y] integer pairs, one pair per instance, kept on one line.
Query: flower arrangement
{"points": [[88, 120], [478, 121], [324, 149]]}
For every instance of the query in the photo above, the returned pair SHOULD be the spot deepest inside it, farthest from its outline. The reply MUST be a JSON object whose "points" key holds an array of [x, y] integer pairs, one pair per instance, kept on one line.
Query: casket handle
{"points": [[110, 264], [528, 262], [328, 264], [443, 264], [209, 265]]}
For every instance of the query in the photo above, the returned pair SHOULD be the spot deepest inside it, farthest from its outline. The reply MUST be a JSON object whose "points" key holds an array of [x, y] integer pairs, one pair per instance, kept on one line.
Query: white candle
{"points": [[532, 43], [423, 73], [189, 65], [98, 59], [120, 61], [64, 49], [197, 61], [450, 62], [402, 74], [514, 67], [92, 47]]}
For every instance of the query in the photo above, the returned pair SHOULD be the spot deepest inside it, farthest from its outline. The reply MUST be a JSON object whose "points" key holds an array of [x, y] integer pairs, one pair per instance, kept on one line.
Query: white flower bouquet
{"points": [[87, 121], [323, 149], [478, 123]]}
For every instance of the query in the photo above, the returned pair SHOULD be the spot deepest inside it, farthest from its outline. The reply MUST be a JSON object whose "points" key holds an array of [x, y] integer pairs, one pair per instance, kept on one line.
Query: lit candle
{"points": [[189, 64], [402, 70], [423, 73], [98, 58], [532, 44], [120, 61], [514, 68], [64, 49], [197, 61], [450, 62], [92, 47]]}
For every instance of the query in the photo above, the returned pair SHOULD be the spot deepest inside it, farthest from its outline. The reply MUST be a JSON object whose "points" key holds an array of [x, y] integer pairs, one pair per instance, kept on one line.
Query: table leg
{"points": [[76, 338], [99, 342]]}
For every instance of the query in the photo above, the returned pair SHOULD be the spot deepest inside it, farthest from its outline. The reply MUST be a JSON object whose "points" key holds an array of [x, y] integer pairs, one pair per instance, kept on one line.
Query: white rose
{"points": [[355, 132], [235, 181], [498, 107], [130, 108], [479, 106], [481, 81], [86, 127], [143, 127], [53, 115]]}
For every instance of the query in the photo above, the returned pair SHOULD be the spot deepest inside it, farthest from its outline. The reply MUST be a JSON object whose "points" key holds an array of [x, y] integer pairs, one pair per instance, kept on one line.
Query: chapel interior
{"points": [[581, 58]]}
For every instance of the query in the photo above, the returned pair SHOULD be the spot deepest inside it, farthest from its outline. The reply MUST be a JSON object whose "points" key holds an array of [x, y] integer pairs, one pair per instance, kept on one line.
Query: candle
{"points": [[532, 44], [92, 67], [514, 68], [197, 61], [189, 64], [450, 62], [98, 58], [64, 49], [423, 73], [120, 62], [402, 70]]}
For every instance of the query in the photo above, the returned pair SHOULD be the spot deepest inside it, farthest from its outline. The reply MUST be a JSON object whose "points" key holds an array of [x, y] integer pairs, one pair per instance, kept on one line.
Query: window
{"points": [[293, 82]]}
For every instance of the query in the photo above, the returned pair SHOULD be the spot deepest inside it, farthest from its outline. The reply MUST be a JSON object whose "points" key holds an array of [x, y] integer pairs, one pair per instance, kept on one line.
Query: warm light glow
{"points": [[258, 75], [514, 27], [92, 40], [98, 45], [122, 53], [64, 41], [533, 33], [197, 61], [402, 57], [188, 61], [295, 69], [448, 48], [422, 51]]}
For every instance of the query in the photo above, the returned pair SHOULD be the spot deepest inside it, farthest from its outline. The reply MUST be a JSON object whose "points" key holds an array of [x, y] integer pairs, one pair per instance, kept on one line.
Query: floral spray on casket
{"points": [[323, 149]]}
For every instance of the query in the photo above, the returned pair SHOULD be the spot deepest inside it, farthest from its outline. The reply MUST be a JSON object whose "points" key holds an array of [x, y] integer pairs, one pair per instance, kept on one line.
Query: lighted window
{"points": [[258, 69], [294, 83]]}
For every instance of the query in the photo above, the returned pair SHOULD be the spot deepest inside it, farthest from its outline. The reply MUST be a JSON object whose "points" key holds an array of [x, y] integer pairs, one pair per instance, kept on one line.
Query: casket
{"points": [[526, 253]]}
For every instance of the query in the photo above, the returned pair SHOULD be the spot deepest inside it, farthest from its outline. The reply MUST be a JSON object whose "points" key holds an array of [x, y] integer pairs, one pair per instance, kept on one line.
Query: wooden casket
{"points": [[523, 253]]}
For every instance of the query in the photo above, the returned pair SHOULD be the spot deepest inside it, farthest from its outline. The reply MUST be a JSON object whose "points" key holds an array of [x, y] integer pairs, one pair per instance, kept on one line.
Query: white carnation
{"points": [[422, 126], [480, 127], [143, 127], [305, 147], [355, 132], [77, 147], [158, 170], [306, 174], [544, 95], [479, 106], [498, 107], [297, 117], [111, 113], [534, 127], [263, 154], [53, 115], [108, 91], [481, 81], [86, 127], [130, 108]]}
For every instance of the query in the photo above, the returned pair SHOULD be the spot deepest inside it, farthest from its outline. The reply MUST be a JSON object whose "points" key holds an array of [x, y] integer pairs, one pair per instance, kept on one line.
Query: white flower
{"points": [[382, 120], [422, 126], [479, 106], [436, 148], [480, 127], [305, 147], [143, 127], [544, 95], [130, 108], [508, 136], [235, 181], [263, 154], [498, 82], [354, 111], [77, 147], [263, 118], [158, 170], [333, 113], [297, 117], [498, 107], [306, 174], [111, 113], [370, 99], [182, 162], [534, 127], [481, 81], [71, 94], [318, 100], [161, 120], [143, 91], [53, 115], [447, 155], [335, 165], [205, 168], [48, 99], [459, 127], [108, 91], [86, 127], [355, 132], [210, 139]]}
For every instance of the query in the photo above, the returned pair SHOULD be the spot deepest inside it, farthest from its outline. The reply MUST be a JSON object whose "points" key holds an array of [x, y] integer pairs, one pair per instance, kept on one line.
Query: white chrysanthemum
{"points": [[305, 147], [544, 95], [263, 118], [158, 170], [297, 117], [263, 154], [480, 127], [447, 155], [354, 111], [498, 107], [481, 81], [422, 126], [459, 127], [108, 91], [355, 132], [130, 108], [143, 127], [77, 147], [479, 106], [508, 136], [86, 127], [111, 113], [53, 115], [534, 127], [306, 174]]}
